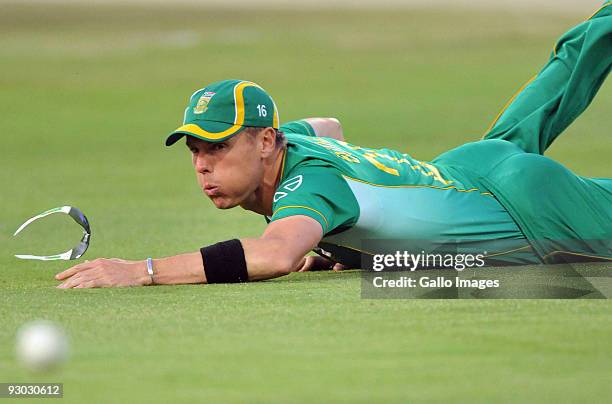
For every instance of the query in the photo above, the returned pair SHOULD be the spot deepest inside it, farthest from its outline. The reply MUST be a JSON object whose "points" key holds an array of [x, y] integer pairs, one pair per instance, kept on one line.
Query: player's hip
{"points": [[559, 211], [556, 209], [478, 157]]}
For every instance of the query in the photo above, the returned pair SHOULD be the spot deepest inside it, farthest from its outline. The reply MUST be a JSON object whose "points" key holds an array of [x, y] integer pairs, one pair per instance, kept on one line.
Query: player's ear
{"points": [[267, 139]]}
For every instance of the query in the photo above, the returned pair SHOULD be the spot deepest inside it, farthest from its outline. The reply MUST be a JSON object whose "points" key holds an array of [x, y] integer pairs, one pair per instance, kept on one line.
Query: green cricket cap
{"points": [[223, 109]]}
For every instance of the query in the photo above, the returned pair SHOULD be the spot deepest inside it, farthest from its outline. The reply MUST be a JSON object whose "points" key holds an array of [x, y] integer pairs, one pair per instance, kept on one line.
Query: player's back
{"points": [[382, 167]]}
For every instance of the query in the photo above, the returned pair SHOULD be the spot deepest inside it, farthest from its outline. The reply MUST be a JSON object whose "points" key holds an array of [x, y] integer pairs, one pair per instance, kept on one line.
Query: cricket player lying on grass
{"points": [[316, 190]]}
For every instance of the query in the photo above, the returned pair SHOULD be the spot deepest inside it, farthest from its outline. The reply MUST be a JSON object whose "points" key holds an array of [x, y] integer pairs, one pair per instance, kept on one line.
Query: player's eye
{"points": [[219, 146]]}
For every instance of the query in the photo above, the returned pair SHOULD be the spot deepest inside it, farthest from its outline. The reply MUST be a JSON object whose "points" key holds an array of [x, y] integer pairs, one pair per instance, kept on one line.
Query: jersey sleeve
{"points": [[300, 127], [317, 192]]}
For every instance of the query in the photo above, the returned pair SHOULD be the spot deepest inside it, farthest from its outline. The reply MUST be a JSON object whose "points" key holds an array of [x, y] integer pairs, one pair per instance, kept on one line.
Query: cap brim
{"points": [[210, 131]]}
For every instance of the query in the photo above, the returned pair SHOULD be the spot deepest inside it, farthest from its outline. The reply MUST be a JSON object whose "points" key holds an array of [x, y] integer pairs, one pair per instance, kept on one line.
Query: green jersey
{"points": [[358, 194]]}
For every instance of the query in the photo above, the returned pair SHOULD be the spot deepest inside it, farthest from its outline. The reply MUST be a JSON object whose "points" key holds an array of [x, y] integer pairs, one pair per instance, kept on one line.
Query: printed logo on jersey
{"points": [[279, 195], [202, 104], [293, 184], [289, 185]]}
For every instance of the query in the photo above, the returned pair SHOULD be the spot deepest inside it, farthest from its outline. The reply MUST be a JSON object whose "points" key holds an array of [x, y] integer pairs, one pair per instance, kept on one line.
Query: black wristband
{"points": [[224, 262]]}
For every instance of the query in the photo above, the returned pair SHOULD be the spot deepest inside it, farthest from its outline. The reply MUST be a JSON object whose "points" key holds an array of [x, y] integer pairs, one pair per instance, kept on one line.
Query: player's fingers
{"points": [[73, 281], [307, 264], [299, 266], [322, 264], [316, 263], [338, 267], [79, 278], [88, 285], [67, 284], [73, 270]]}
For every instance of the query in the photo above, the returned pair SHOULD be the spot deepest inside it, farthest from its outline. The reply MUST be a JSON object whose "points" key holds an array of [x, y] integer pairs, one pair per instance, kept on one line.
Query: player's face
{"points": [[228, 172]]}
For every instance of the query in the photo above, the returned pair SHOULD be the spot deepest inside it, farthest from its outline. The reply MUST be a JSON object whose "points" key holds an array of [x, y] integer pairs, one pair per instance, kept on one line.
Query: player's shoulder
{"points": [[320, 174], [304, 154], [318, 190]]}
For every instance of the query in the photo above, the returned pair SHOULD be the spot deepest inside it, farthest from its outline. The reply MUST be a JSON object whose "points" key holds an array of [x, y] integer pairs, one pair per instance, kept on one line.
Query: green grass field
{"points": [[87, 97]]}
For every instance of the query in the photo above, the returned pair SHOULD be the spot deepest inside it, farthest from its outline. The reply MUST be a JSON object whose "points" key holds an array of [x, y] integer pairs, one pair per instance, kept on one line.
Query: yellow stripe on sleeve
{"points": [[303, 207]]}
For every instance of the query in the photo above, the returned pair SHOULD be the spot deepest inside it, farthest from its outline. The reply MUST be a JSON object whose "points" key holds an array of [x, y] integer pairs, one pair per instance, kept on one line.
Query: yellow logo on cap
{"points": [[202, 104]]}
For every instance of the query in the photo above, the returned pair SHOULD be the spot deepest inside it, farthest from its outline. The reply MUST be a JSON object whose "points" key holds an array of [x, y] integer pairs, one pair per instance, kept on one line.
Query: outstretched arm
{"points": [[276, 253]]}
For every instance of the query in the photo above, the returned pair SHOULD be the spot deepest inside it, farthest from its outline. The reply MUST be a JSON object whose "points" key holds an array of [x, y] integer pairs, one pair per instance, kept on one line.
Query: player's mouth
{"points": [[211, 190]]}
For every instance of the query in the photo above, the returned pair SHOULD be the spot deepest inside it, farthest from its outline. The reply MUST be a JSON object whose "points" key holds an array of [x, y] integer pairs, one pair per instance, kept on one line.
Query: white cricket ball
{"points": [[41, 345]]}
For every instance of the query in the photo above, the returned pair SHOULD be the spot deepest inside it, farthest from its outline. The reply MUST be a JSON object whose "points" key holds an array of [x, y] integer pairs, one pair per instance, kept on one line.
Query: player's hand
{"points": [[318, 263], [105, 273]]}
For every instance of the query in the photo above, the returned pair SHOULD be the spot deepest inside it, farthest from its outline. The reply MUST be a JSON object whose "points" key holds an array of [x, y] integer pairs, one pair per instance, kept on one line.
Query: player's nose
{"points": [[202, 163]]}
